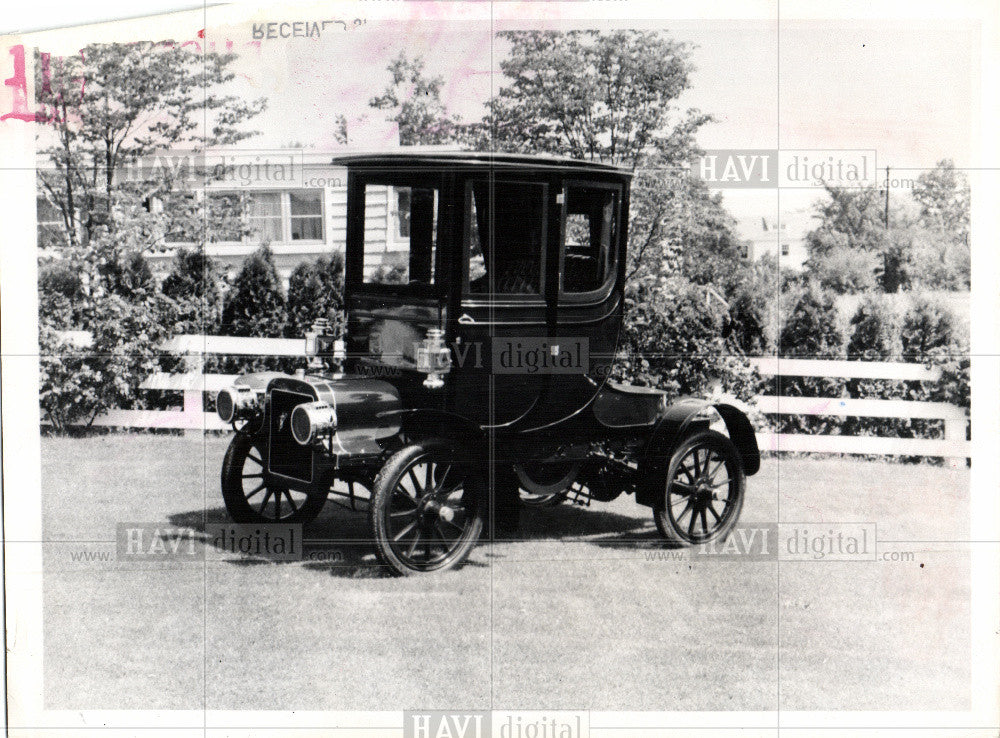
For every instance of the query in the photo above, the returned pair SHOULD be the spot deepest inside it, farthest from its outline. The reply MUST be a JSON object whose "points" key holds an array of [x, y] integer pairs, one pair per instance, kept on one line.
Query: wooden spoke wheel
{"points": [[252, 495], [703, 490], [426, 512]]}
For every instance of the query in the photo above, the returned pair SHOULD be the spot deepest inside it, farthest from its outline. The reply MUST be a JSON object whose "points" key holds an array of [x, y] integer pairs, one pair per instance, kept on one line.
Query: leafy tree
{"points": [[255, 305], [316, 290], [845, 270], [594, 95], [851, 216], [414, 99], [935, 259], [111, 104], [929, 249], [944, 198]]}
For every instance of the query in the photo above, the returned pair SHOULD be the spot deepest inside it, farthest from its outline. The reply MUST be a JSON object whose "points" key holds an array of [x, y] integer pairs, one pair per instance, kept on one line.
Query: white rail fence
{"points": [[193, 384]]}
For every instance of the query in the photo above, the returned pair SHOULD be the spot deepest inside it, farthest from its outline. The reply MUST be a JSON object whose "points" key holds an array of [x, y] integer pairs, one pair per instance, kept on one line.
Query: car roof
{"points": [[477, 160]]}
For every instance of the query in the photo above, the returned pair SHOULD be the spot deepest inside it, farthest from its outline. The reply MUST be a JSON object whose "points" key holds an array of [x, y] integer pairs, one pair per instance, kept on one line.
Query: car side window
{"points": [[406, 254], [506, 234], [589, 238]]}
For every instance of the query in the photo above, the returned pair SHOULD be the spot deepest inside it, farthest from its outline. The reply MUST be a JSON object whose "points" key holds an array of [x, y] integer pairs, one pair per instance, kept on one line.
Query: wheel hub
{"points": [[430, 510]]}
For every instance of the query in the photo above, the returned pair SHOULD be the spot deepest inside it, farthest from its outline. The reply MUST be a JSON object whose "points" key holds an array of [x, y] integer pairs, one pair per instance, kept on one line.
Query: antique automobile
{"points": [[474, 372]]}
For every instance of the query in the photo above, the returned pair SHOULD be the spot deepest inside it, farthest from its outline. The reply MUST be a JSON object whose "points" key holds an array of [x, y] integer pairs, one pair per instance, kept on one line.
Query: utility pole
{"points": [[887, 197]]}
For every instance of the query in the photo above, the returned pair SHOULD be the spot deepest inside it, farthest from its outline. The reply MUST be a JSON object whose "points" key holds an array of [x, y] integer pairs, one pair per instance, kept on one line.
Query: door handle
{"points": [[466, 319]]}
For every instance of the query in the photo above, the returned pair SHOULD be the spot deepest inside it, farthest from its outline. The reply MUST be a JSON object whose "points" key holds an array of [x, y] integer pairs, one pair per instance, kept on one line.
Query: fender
{"points": [[682, 418], [442, 424], [742, 434]]}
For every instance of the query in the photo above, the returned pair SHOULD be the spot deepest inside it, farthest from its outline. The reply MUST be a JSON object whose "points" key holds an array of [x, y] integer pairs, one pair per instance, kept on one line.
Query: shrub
{"points": [[194, 286], [874, 331], [752, 328], [672, 339], [929, 335], [69, 382], [315, 290], [127, 274], [928, 330], [810, 331], [811, 327], [77, 385], [60, 295], [254, 305]]}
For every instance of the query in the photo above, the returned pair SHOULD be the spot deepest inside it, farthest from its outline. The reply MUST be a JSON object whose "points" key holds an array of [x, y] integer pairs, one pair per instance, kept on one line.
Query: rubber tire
{"points": [[385, 482], [722, 445], [233, 496]]}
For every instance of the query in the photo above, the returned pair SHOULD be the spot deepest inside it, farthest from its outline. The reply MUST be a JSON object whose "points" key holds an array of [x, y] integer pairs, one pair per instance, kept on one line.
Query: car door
{"points": [[588, 284], [502, 328]]}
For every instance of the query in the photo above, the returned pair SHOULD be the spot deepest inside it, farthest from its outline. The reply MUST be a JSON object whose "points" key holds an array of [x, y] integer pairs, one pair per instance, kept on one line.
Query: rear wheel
{"points": [[254, 496], [703, 490], [426, 512]]}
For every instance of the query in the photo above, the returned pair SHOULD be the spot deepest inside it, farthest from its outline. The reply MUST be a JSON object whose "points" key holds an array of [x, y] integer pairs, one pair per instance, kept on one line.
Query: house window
{"points": [[306, 215], [784, 249], [51, 227], [292, 215], [264, 216]]}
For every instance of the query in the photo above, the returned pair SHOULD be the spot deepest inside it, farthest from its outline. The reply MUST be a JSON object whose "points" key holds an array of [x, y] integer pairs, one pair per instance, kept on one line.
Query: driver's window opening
{"points": [[505, 250], [406, 257], [589, 256]]}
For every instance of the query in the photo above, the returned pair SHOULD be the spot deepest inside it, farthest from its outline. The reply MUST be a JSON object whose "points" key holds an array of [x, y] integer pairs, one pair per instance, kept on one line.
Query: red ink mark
{"points": [[201, 33], [19, 83]]}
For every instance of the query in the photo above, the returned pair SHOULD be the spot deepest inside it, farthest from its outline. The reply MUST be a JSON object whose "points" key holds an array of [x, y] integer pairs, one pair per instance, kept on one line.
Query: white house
{"points": [[784, 240], [296, 201]]}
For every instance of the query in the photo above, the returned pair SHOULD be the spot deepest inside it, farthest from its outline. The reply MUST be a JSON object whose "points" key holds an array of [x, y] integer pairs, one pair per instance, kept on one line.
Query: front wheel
{"points": [[254, 496], [426, 512], [703, 490]]}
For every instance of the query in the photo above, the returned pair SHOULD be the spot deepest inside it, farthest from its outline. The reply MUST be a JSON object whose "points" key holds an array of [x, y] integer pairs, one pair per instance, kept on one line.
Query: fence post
{"points": [[954, 430], [194, 403]]}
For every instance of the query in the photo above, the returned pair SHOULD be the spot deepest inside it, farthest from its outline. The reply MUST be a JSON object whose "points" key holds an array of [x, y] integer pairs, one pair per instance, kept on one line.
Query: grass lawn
{"points": [[576, 612]]}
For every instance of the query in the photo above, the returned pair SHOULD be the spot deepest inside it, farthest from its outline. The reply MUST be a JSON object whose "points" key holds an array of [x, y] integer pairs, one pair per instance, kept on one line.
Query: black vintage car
{"points": [[474, 376]]}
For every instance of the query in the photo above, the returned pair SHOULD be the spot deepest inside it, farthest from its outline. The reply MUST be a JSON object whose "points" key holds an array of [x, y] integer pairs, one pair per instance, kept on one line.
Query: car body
{"points": [[482, 350]]}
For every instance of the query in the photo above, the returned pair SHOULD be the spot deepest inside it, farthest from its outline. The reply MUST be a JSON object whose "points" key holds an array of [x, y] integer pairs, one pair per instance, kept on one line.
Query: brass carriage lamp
{"points": [[321, 344], [433, 358]]}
